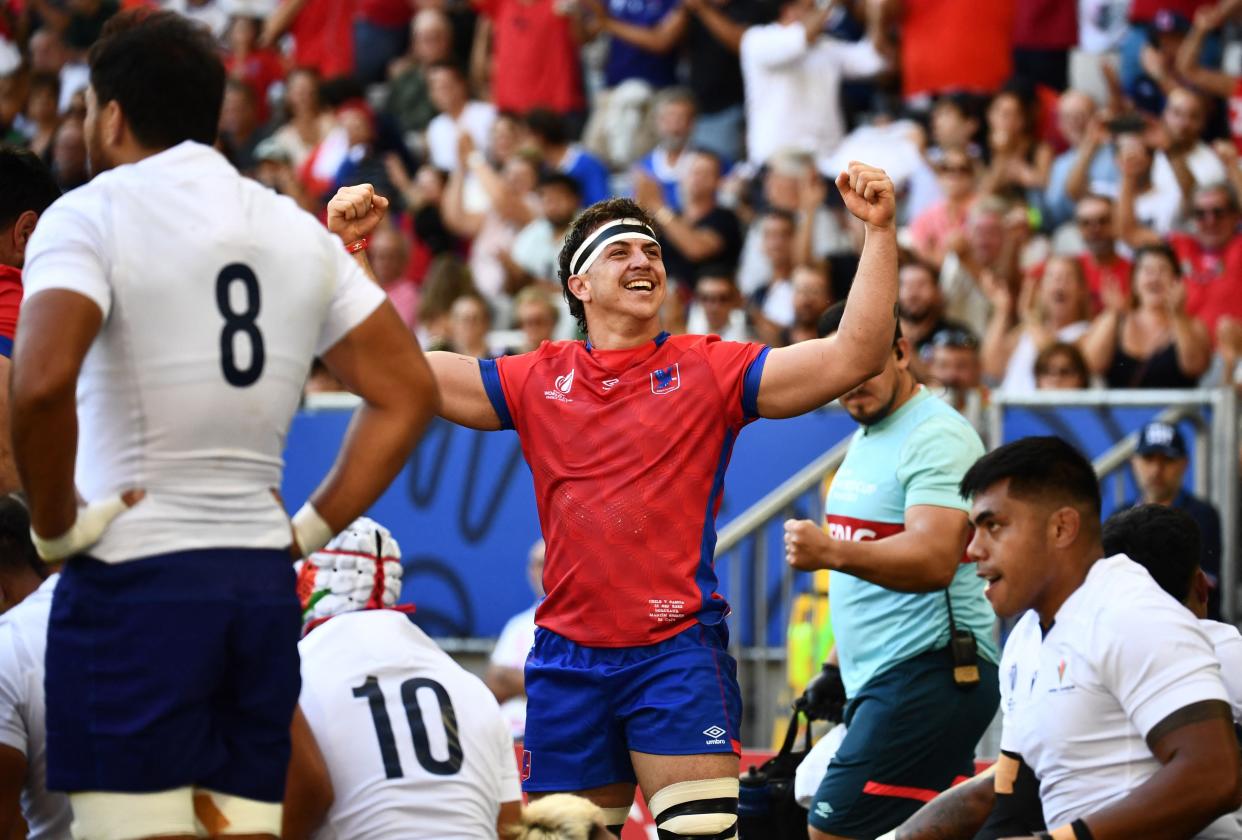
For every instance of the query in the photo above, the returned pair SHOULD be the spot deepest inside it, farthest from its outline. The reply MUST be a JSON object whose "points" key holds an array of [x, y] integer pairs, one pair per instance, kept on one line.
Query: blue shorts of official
{"points": [[587, 708], [171, 671], [911, 734]]}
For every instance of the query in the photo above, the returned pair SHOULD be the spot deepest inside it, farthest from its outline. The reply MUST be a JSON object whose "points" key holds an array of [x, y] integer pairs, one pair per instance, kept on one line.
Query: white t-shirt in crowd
{"points": [[1102, 24], [1204, 164], [1078, 703], [442, 132], [23, 640], [216, 294], [415, 745], [793, 89], [1020, 372], [512, 648]]}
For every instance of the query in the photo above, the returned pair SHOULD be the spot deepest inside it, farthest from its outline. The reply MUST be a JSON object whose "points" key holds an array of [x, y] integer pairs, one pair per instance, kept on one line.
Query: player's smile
{"points": [[645, 283]]}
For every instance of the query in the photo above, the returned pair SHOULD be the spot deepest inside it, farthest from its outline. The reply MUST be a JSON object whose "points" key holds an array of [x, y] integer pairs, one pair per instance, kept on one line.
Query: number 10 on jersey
{"points": [[414, 716]]}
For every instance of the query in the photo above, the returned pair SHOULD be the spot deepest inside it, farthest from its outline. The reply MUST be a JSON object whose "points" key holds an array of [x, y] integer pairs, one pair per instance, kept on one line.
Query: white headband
{"points": [[615, 231]]}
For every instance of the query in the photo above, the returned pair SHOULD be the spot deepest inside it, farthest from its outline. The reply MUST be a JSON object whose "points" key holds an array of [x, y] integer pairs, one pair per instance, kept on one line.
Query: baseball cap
{"points": [[359, 569], [1160, 438], [1168, 22]]}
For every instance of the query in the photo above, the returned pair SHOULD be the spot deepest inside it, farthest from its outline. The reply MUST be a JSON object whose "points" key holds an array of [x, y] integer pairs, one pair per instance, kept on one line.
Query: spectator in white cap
{"points": [[408, 741]]}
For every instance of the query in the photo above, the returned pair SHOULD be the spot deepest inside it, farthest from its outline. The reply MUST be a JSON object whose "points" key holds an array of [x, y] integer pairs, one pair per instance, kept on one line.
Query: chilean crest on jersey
{"points": [[666, 380]]}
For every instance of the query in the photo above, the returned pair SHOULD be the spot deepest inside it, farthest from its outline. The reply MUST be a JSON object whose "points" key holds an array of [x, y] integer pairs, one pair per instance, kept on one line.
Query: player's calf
{"points": [[705, 809]]}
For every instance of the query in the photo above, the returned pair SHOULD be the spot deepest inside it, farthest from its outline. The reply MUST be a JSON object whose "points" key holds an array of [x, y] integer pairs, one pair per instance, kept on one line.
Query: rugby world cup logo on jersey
{"points": [[666, 380], [561, 387]]}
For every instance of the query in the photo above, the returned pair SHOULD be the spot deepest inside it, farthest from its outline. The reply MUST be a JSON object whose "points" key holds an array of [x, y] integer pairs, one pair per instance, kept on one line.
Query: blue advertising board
{"points": [[463, 507]]}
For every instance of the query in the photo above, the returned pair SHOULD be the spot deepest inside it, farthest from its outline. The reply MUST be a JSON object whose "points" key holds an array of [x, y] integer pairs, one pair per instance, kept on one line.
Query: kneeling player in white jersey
{"points": [[25, 600], [183, 305], [1111, 691], [415, 746]]}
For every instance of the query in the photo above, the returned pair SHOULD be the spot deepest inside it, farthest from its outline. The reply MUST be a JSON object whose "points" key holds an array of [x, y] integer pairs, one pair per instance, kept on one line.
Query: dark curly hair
{"points": [[166, 74], [599, 213]]}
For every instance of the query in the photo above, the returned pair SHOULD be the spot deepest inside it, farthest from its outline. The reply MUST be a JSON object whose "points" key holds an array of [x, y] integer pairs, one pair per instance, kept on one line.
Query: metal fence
{"points": [[745, 547]]}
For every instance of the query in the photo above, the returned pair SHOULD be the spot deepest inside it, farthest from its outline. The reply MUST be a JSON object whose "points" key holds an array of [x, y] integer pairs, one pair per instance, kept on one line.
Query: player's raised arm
{"points": [[807, 375], [353, 213]]}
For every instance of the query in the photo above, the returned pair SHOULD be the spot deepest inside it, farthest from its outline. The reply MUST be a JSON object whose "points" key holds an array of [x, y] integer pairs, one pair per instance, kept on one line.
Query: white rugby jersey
{"points": [[1227, 642], [1121, 656], [415, 745], [216, 295], [23, 640]]}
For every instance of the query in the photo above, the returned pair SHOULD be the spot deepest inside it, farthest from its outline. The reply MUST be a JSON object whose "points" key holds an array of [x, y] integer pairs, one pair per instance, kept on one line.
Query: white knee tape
{"points": [[130, 816], [688, 821], [222, 814], [615, 816]]}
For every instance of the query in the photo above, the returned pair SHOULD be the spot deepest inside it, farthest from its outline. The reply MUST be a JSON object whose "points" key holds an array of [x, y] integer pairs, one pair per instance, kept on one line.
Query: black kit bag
{"points": [[766, 807]]}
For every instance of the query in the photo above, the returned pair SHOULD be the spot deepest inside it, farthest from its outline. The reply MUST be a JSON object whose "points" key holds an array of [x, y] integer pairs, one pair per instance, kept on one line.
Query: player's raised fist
{"points": [[806, 545], [355, 211], [869, 194]]}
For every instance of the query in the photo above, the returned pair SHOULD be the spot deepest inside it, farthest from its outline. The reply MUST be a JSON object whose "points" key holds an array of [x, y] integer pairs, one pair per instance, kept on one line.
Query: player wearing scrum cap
{"points": [[414, 746], [628, 435]]}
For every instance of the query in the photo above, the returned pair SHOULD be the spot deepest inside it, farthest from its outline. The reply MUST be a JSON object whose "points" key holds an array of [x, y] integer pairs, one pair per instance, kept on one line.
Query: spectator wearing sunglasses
{"points": [[954, 363], [1211, 256], [933, 230], [717, 306], [1101, 263]]}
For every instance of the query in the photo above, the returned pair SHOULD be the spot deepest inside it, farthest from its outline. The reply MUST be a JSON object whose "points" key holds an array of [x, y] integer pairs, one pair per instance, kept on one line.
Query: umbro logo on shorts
{"points": [[714, 734]]}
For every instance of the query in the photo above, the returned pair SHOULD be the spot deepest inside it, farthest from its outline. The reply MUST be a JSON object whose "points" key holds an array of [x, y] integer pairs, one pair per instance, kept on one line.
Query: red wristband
{"points": [[357, 245]]}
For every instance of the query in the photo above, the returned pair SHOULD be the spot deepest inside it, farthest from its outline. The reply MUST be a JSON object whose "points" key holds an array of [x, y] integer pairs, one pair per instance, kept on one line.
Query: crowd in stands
{"points": [[1068, 171]]}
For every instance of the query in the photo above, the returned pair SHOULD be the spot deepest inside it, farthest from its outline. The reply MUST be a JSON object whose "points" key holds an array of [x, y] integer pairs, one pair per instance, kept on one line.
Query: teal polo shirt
{"points": [[915, 456]]}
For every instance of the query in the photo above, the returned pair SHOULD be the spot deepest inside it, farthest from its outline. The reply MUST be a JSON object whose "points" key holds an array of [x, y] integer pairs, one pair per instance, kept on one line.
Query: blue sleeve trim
{"points": [[750, 385], [495, 393], [6, 347]]}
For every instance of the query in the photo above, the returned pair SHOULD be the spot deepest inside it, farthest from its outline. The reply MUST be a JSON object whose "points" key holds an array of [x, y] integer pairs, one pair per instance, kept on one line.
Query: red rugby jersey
{"points": [[628, 449], [10, 305]]}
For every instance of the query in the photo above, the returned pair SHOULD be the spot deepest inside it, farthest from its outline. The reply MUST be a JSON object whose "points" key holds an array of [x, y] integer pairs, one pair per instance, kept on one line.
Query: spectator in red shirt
{"points": [[259, 67], [1101, 264], [951, 45], [534, 50], [321, 34], [28, 190], [1210, 258]]}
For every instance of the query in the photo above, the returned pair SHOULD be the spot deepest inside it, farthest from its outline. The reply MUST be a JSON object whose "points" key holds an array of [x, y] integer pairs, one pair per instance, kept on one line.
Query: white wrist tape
{"points": [[85, 532], [310, 530]]}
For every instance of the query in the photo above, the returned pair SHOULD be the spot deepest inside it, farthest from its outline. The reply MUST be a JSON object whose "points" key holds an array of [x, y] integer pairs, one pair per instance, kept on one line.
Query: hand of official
{"points": [[92, 519], [806, 545], [354, 212], [869, 194]]}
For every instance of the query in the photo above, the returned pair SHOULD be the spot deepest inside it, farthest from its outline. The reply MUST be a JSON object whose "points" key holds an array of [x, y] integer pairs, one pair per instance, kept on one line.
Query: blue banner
{"points": [[463, 508]]}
